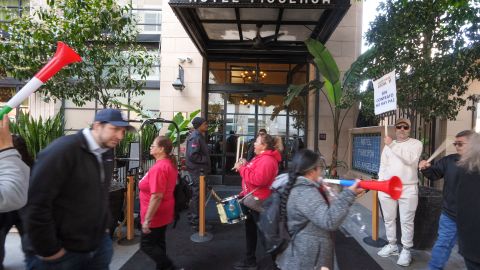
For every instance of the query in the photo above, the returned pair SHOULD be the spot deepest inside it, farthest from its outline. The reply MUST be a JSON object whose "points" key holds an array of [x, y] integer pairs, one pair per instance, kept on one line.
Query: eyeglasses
{"points": [[402, 127], [459, 144]]}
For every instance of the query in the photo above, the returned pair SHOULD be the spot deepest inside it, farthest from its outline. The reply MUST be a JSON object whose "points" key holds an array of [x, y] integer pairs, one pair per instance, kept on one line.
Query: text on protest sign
{"points": [[385, 93]]}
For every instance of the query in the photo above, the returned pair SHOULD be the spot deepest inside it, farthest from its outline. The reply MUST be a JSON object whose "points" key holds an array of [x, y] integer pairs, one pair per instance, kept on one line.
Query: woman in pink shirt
{"points": [[157, 202]]}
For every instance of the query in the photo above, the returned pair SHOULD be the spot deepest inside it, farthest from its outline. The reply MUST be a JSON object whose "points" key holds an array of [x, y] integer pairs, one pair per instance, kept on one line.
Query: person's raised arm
{"points": [[14, 173]]}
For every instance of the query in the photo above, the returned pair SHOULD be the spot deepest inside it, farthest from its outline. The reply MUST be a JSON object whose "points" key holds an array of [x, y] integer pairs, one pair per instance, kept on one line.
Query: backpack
{"points": [[182, 195], [275, 229]]}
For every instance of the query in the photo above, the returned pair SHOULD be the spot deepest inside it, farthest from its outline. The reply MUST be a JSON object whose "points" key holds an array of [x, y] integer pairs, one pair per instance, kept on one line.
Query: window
{"points": [[149, 20], [153, 22]]}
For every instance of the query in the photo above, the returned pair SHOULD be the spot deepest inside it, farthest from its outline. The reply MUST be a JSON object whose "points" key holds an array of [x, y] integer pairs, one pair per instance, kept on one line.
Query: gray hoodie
{"points": [[312, 247], [14, 177]]}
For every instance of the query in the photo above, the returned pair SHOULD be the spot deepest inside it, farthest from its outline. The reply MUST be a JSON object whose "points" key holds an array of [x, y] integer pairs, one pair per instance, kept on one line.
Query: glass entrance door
{"points": [[235, 119]]}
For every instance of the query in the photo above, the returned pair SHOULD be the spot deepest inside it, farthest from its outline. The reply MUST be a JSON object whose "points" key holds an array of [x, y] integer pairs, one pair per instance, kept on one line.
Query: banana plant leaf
{"points": [[295, 90], [357, 72], [182, 124], [328, 69]]}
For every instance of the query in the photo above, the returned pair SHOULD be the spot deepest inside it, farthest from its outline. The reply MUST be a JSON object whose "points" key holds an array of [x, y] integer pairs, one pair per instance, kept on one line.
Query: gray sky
{"points": [[369, 11]]}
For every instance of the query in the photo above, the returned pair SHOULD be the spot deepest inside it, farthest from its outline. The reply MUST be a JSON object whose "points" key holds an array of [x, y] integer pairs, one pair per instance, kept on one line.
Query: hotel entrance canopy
{"points": [[266, 29]]}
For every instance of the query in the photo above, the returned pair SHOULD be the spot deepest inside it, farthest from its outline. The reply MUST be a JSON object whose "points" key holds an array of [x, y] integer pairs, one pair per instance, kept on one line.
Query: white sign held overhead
{"points": [[385, 93]]}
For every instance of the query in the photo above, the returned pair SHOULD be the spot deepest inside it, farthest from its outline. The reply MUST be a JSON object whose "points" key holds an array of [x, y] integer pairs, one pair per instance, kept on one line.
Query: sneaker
{"points": [[405, 258], [245, 265], [388, 250]]}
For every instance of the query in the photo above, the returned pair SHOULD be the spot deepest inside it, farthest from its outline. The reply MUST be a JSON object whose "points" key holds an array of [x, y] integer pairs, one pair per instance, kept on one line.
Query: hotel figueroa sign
{"points": [[323, 2], [301, 4]]}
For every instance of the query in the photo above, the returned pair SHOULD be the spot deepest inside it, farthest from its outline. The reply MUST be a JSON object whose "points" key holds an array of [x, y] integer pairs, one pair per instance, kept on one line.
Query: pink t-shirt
{"points": [[161, 178]]}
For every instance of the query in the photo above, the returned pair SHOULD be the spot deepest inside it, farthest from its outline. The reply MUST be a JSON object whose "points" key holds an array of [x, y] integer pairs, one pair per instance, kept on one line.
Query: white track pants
{"points": [[408, 205]]}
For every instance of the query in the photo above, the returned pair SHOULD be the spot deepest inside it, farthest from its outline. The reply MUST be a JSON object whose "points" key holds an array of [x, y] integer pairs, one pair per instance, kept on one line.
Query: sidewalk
{"points": [[14, 256], [227, 246], [358, 226]]}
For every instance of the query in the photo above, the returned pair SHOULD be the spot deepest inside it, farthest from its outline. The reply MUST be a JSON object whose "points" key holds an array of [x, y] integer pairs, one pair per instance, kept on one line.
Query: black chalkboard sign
{"points": [[366, 152]]}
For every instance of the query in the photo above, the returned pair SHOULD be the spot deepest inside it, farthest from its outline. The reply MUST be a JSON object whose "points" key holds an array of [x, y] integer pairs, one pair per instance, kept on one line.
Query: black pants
{"points": [[471, 265], [116, 199], [7, 220], [153, 244], [251, 233]]}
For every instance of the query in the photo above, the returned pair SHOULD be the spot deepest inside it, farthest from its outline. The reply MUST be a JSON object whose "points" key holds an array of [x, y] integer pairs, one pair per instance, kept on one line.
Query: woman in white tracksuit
{"points": [[400, 158]]}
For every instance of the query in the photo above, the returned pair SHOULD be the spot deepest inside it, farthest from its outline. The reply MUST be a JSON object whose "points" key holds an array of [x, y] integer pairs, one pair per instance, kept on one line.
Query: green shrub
{"points": [[38, 133]]}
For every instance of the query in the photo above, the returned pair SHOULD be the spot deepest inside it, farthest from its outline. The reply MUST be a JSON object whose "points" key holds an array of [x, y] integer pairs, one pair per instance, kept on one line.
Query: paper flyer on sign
{"points": [[385, 93]]}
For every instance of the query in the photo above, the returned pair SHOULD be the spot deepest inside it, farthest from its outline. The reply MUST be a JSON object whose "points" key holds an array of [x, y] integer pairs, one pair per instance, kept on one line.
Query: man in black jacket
{"points": [[67, 214], [447, 169], [197, 159]]}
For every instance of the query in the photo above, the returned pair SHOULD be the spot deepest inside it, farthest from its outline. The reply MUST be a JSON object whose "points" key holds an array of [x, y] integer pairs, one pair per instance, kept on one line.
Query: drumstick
{"points": [[248, 194], [385, 123], [238, 147], [241, 150], [440, 149], [215, 195], [238, 144]]}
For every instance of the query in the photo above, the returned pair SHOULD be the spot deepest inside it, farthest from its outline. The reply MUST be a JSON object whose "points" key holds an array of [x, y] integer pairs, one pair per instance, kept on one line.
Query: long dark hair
{"points": [[303, 161], [21, 145]]}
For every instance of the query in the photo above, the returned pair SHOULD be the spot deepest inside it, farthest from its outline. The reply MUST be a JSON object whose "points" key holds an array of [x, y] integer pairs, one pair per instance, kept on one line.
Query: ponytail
{"points": [[292, 178], [278, 144], [173, 159], [304, 161]]}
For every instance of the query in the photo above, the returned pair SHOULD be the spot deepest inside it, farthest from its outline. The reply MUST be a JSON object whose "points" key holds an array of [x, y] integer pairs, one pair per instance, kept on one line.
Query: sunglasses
{"points": [[402, 127], [459, 144]]}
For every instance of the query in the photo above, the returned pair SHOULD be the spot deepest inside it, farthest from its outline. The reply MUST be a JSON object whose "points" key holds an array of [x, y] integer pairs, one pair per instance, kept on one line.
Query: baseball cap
{"points": [[197, 122], [114, 117], [403, 120]]}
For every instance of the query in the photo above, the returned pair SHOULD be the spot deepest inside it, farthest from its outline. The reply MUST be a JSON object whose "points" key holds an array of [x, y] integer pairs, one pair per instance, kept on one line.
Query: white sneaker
{"points": [[405, 258], [388, 250]]}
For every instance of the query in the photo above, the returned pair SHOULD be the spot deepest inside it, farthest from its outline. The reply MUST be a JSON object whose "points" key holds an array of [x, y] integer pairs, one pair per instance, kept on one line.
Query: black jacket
{"points": [[468, 215], [197, 155], [68, 201], [447, 169]]}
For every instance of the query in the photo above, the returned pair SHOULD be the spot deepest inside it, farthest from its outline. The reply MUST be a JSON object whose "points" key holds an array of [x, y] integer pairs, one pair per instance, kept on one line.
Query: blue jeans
{"points": [[98, 259], [447, 237]]}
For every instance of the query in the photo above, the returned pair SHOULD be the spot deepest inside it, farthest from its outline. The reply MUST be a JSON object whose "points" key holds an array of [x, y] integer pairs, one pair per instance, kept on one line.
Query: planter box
{"points": [[426, 217]]}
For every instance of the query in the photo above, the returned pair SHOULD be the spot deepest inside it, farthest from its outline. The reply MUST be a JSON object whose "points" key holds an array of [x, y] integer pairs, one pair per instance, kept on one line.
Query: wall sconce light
{"points": [[179, 83], [183, 59]]}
